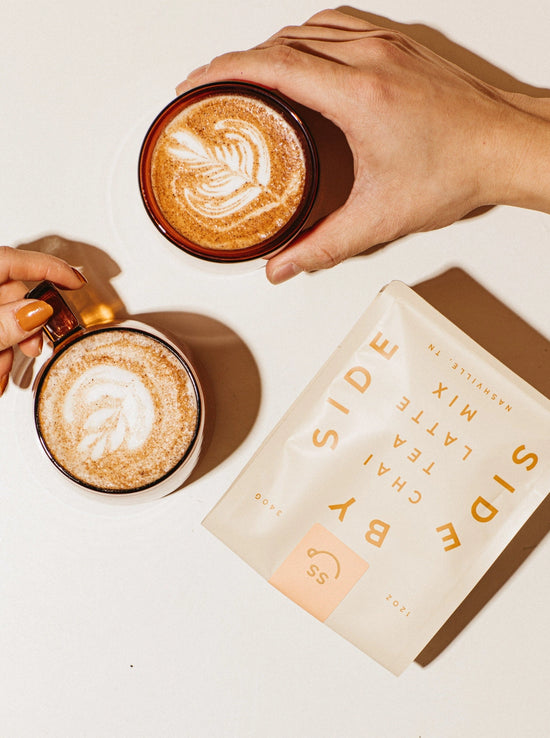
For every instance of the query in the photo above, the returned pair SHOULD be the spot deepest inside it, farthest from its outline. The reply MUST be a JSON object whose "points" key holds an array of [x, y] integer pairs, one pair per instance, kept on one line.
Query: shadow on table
{"points": [[453, 52], [526, 352], [230, 378], [225, 364]]}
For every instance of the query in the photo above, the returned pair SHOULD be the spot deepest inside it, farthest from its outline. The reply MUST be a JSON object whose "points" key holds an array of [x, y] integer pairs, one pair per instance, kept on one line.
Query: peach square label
{"points": [[319, 572]]}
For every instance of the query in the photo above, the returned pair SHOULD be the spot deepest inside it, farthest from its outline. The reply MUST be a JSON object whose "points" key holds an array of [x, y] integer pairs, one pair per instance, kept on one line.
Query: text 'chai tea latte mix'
{"points": [[394, 481]]}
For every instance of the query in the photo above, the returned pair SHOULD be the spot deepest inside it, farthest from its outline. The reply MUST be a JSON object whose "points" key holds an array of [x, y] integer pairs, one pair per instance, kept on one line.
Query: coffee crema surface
{"points": [[228, 172], [117, 410]]}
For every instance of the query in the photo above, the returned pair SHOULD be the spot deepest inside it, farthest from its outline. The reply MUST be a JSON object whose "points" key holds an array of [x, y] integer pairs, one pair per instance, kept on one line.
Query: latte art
{"points": [[227, 177], [228, 172], [117, 410], [114, 409]]}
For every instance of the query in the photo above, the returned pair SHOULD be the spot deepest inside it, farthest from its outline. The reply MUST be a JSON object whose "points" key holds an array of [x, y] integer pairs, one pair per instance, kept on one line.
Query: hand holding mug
{"points": [[21, 319], [118, 406], [430, 142]]}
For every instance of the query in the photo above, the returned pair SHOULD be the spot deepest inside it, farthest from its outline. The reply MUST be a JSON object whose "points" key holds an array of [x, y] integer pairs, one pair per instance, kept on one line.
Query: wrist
{"points": [[524, 154]]}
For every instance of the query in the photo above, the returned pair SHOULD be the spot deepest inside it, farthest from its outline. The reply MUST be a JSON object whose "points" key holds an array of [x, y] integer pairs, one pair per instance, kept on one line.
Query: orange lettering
{"points": [[343, 508], [486, 507], [504, 483], [399, 441], [377, 532], [381, 346], [330, 434], [337, 405], [354, 383], [531, 458], [449, 528], [399, 484], [383, 469], [467, 411], [403, 404]]}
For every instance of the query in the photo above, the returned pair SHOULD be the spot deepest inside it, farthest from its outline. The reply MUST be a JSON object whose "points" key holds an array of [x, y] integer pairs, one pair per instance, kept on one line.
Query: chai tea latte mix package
{"points": [[394, 481]]}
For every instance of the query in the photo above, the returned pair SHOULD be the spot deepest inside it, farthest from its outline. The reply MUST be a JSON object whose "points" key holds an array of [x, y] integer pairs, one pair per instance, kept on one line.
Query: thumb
{"points": [[21, 319], [329, 242]]}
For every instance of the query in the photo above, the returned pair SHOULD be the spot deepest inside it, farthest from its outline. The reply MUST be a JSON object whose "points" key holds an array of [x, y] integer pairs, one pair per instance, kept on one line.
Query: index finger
{"points": [[299, 75], [35, 266]]}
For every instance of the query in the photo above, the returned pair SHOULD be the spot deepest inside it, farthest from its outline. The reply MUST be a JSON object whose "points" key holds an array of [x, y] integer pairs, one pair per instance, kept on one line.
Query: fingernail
{"points": [[81, 277], [3, 383], [191, 79], [284, 272], [34, 345], [33, 314]]}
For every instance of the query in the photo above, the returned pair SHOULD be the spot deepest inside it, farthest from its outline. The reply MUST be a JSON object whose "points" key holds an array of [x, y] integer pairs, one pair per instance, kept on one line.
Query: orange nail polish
{"points": [[33, 314]]}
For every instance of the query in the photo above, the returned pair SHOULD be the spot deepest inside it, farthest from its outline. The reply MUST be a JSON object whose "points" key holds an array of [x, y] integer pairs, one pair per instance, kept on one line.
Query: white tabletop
{"points": [[135, 621]]}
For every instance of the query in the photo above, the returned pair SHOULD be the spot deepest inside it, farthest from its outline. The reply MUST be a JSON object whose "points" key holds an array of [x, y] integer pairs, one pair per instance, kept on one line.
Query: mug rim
{"points": [[288, 231], [133, 327]]}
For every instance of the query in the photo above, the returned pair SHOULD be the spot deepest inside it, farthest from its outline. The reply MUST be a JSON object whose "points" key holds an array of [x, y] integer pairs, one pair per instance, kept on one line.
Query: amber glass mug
{"points": [[118, 407], [229, 172]]}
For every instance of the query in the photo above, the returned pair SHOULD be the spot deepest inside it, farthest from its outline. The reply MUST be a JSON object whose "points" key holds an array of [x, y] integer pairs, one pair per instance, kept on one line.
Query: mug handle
{"points": [[63, 322]]}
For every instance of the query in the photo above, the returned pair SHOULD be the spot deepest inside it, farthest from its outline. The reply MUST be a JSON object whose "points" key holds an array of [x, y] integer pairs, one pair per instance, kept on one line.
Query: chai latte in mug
{"points": [[229, 171], [117, 410]]}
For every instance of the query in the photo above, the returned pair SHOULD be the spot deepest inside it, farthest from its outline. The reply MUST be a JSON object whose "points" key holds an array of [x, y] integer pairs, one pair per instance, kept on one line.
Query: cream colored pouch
{"points": [[394, 481]]}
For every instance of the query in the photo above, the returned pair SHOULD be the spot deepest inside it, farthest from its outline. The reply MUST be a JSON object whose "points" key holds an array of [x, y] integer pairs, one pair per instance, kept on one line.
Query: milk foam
{"points": [[228, 171], [229, 176], [117, 409]]}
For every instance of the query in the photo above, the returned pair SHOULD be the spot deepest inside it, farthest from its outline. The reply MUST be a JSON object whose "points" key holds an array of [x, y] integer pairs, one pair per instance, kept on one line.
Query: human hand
{"points": [[22, 319], [430, 142]]}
